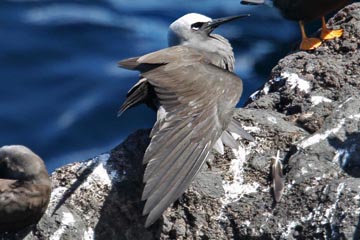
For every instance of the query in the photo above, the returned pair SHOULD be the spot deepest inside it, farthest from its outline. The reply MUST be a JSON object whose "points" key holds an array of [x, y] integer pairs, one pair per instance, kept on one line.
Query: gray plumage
{"points": [[25, 188], [195, 93]]}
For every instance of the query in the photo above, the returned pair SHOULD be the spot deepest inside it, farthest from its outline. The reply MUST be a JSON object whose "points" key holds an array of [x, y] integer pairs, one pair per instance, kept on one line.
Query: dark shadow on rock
{"points": [[357, 231], [121, 214], [16, 235], [82, 173], [348, 153]]}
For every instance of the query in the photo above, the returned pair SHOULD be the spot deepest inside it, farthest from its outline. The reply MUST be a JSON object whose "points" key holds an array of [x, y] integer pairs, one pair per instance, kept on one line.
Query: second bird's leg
{"points": [[328, 34], [308, 43]]}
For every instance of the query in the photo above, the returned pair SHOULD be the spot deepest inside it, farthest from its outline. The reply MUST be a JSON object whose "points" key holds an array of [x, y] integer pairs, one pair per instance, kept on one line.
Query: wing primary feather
{"points": [[176, 189], [160, 179], [159, 161], [173, 178], [164, 139]]}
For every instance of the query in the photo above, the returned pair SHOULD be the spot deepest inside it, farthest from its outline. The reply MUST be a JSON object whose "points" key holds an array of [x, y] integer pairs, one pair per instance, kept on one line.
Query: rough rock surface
{"points": [[309, 111]]}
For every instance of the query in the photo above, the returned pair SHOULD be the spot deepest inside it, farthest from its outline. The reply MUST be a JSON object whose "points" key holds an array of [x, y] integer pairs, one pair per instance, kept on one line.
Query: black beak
{"points": [[210, 26], [252, 2]]}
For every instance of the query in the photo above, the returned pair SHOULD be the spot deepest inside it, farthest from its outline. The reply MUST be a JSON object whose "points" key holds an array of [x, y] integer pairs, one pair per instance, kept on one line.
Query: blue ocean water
{"points": [[60, 84]]}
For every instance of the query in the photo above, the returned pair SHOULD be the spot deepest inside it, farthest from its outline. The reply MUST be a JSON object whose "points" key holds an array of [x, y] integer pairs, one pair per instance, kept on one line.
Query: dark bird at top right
{"points": [[307, 10]]}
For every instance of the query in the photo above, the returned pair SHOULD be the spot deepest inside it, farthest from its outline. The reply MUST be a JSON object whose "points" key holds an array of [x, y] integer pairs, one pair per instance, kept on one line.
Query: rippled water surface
{"points": [[60, 85]]}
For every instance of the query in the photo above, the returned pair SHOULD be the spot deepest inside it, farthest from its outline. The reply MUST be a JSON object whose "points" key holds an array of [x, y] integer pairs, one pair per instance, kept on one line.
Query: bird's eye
{"points": [[197, 26]]}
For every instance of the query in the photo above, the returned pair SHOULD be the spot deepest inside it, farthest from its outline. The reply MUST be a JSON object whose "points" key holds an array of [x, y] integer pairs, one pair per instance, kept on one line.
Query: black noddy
{"points": [[307, 10], [143, 91], [25, 188], [194, 90]]}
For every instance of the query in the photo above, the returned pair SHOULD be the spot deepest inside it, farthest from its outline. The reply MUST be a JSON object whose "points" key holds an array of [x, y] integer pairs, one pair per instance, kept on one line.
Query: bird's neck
{"points": [[218, 51]]}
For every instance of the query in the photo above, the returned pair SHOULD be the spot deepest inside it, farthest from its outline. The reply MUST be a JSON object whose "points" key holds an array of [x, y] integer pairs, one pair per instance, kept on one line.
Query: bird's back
{"points": [[21, 203]]}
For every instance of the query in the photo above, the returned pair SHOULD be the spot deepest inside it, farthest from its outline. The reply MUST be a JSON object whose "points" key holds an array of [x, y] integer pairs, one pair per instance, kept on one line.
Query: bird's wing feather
{"points": [[129, 63], [141, 92], [235, 127], [198, 99]]}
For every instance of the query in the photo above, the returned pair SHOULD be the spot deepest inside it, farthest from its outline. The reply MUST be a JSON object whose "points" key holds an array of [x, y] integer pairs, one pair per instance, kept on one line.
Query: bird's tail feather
{"points": [[141, 92], [235, 127], [131, 101]]}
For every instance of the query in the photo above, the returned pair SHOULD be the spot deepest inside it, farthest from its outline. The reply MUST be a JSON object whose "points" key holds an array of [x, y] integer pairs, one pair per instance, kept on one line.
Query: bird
{"points": [[192, 87], [305, 11], [143, 92], [25, 188]]}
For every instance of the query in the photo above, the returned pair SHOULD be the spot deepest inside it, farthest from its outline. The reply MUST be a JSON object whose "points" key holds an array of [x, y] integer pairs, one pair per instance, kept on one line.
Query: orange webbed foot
{"points": [[310, 43], [328, 34]]}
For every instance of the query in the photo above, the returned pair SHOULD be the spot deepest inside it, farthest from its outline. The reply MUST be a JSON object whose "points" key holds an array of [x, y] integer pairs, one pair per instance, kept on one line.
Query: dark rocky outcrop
{"points": [[309, 111]]}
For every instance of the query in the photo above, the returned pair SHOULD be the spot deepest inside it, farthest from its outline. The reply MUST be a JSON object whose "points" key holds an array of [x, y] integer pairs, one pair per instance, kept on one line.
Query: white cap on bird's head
{"points": [[194, 25]]}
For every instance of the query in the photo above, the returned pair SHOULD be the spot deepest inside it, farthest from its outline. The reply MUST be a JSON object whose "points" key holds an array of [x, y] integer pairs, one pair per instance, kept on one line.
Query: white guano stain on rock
{"points": [[56, 195], [266, 89], [307, 218], [296, 82], [66, 221], [357, 211], [329, 214], [89, 234], [290, 229], [236, 188], [236, 168], [347, 100], [315, 100], [100, 173], [251, 129], [316, 138], [57, 192], [303, 170], [247, 223], [332, 211], [272, 119], [357, 197], [339, 190], [355, 117]]}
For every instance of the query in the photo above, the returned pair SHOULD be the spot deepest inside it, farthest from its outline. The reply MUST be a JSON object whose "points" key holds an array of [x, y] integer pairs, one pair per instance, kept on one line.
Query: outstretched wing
{"points": [[198, 99]]}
